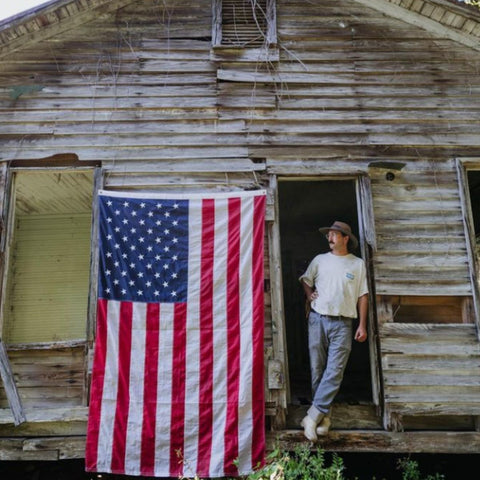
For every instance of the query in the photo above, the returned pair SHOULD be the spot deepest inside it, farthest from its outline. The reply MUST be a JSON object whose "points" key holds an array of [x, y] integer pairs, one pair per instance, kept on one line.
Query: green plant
{"points": [[410, 471], [301, 464]]}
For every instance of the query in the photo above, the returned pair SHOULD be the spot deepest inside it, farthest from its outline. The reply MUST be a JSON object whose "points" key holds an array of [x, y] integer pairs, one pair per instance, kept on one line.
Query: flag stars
{"points": [[143, 254]]}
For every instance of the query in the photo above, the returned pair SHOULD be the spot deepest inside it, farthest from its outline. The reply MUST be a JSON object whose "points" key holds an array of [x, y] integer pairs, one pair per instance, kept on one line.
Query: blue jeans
{"points": [[329, 345]]}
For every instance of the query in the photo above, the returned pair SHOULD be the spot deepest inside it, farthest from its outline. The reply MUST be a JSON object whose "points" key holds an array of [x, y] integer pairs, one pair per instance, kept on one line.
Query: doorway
{"points": [[305, 205]]}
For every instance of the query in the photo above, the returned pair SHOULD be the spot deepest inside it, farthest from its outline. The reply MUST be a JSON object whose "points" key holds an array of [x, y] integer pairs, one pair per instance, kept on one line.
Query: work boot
{"points": [[309, 425], [323, 426]]}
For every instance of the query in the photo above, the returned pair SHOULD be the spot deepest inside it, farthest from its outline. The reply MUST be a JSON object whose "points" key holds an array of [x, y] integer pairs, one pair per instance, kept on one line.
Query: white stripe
{"points": [[245, 420], [164, 391], [110, 386], [137, 375], [219, 338], [192, 387]]}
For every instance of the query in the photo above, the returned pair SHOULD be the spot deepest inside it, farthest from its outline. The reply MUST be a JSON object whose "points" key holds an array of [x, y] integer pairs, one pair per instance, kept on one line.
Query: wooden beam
{"points": [[381, 441], [57, 448], [10, 387]]}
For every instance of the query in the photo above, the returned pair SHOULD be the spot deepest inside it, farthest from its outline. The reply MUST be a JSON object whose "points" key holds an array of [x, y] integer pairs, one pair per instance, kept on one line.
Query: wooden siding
{"points": [[429, 370], [48, 377]]}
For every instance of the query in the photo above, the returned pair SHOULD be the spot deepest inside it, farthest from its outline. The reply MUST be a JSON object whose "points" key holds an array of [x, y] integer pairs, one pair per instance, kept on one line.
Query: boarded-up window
{"points": [[47, 281], [244, 23]]}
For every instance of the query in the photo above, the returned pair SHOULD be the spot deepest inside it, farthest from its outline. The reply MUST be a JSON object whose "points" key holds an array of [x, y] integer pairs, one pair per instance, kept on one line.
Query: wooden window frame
{"points": [[463, 166], [221, 52]]}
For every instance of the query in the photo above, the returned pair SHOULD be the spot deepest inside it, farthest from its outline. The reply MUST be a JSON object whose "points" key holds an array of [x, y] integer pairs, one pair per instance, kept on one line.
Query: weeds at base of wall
{"points": [[303, 464]]}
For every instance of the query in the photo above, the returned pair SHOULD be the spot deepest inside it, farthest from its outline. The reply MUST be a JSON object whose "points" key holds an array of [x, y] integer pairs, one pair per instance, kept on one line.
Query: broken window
{"points": [[46, 280], [244, 23]]}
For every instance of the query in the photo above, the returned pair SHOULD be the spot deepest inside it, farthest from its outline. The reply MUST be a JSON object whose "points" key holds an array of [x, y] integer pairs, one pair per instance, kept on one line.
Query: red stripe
{"points": [[233, 336], [96, 392], [123, 396], [258, 434], [177, 422], [147, 458], [206, 339]]}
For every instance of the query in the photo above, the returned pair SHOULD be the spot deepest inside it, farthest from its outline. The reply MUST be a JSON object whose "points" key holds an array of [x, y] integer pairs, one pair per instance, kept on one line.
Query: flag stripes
{"points": [[177, 387]]}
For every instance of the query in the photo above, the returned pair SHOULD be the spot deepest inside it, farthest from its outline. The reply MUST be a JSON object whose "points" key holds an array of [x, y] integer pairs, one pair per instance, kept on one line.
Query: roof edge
{"points": [[432, 16], [49, 19]]}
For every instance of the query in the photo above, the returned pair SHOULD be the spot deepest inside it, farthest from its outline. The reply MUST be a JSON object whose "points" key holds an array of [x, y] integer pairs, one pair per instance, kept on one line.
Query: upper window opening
{"points": [[244, 23]]}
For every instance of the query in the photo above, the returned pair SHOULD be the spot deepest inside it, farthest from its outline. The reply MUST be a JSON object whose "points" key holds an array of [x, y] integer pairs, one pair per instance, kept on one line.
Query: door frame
{"points": [[367, 243]]}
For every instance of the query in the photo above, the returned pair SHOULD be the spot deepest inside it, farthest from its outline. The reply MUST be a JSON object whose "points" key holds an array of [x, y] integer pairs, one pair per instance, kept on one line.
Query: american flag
{"points": [[177, 380]]}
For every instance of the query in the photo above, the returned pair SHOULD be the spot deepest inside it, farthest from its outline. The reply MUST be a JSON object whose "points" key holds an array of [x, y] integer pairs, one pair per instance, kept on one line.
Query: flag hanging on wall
{"points": [[177, 379]]}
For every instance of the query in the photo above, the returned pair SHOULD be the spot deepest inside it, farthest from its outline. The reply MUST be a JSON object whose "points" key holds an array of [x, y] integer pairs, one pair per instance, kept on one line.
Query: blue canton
{"points": [[143, 250]]}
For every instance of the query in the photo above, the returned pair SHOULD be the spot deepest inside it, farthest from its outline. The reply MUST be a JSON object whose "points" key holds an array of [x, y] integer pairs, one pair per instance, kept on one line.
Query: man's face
{"points": [[336, 240]]}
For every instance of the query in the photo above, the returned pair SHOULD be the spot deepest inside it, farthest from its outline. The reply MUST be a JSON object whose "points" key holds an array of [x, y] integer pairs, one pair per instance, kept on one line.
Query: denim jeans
{"points": [[329, 344]]}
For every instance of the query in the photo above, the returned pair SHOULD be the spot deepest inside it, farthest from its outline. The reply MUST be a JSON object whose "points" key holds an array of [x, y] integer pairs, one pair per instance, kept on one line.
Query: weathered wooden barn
{"points": [[365, 111]]}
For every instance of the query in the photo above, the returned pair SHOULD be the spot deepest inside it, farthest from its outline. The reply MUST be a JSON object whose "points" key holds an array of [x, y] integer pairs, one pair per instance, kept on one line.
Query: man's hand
{"points": [[361, 334], [313, 296]]}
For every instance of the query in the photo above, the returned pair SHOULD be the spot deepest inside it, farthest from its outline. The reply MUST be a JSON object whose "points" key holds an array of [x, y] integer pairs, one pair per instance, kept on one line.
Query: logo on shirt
{"points": [[350, 276]]}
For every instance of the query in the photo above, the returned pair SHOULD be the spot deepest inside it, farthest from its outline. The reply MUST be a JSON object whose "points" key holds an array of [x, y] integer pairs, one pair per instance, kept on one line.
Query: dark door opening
{"points": [[473, 177], [304, 207]]}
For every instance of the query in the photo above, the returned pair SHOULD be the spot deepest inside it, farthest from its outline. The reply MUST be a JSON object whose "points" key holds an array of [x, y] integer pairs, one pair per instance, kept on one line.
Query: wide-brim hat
{"points": [[344, 228]]}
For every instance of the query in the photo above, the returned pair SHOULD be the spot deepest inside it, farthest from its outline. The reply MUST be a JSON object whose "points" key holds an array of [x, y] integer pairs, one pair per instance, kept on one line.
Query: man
{"points": [[336, 286]]}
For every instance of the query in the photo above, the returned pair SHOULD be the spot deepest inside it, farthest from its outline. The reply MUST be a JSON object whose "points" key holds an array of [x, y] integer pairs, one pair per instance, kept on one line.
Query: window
{"points": [[245, 24], [46, 279]]}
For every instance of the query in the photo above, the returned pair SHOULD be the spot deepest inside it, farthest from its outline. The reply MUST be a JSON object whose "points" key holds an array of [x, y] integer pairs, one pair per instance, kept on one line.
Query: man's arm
{"points": [[361, 333], [309, 291]]}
